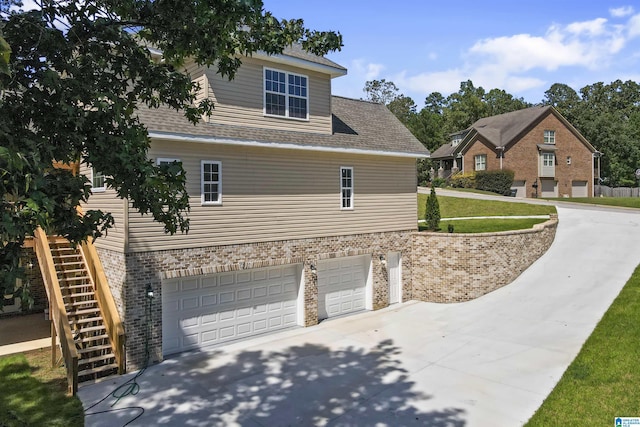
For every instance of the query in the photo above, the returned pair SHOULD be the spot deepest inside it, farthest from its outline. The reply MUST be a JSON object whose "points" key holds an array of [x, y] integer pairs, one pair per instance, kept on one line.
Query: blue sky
{"points": [[522, 47]]}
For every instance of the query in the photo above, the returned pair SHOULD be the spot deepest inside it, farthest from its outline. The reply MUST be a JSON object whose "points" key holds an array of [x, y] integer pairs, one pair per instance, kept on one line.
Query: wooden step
{"points": [[74, 279], [92, 338], [79, 294], [98, 369], [82, 330], [94, 348], [80, 286], [96, 359], [81, 312], [76, 322], [69, 305], [74, 255], [77, 270]]}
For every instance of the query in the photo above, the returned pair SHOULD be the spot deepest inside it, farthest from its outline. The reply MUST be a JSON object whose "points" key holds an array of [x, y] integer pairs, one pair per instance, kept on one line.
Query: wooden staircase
{"points": [[96, 358]]}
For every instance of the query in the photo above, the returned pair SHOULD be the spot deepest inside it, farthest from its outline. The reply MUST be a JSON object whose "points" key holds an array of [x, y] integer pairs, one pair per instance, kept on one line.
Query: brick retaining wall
{"points": [[460, 267]]}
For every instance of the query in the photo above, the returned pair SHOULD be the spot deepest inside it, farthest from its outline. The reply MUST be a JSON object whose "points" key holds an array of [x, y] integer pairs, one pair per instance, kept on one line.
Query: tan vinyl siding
{"points": [[241, 101], [197, 74], [273, 194], [108, 201]]}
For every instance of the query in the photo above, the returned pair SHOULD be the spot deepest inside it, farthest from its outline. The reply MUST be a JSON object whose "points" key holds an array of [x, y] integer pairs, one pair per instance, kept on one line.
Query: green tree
{"points": [[78, 71], [432, 212], [381, 91]]}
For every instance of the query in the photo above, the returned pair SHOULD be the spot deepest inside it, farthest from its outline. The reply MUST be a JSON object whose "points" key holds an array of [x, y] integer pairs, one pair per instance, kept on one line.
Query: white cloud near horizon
{"points": [[519, 62]]}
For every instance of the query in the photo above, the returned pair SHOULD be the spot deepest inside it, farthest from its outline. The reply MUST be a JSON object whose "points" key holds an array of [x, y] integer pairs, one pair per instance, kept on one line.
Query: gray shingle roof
{"points": [[296, 51], [357, 125], [503, 129]]}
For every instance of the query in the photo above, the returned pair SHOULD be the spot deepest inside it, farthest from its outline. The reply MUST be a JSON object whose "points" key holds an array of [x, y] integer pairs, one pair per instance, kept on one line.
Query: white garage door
{"points": [[579, 189], [206, 310], [342, 285], [521, 188]]}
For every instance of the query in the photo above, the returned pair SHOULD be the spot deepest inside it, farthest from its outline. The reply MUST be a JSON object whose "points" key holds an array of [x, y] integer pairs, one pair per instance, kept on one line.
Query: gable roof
{"points": [[358, 127], [296, 56], [504, 129]]}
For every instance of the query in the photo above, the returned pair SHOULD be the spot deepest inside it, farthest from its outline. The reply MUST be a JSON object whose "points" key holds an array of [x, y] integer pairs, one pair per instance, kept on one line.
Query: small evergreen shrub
{"points": [[432, 214], [497, 181], [463, 180]]}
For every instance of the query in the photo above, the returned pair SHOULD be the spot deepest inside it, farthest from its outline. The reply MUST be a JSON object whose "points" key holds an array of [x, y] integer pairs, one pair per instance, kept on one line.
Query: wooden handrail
{"points": [[110, 315], [58, 312]]}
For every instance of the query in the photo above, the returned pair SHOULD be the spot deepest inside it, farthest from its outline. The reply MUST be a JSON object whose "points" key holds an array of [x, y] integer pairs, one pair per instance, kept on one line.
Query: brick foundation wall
{"points": [[150, 268], [461, 267]]}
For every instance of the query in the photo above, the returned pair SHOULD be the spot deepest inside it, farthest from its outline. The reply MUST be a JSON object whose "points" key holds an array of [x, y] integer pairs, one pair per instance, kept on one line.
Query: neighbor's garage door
{"points": [[579, 189], [207, 310], [521, 188], [549, 188], [341, 285]]}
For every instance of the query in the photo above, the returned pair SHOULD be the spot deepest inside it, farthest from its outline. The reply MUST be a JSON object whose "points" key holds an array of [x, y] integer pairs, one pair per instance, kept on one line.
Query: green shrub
{"points": [[423, 169], [439, 182], [432, 213], [463, 180], [498, 181]]}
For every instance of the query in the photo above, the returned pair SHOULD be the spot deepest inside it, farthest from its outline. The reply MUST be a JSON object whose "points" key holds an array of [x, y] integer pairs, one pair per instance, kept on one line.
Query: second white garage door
{"points": [[579, 189], [342, 285], [206, 310]]}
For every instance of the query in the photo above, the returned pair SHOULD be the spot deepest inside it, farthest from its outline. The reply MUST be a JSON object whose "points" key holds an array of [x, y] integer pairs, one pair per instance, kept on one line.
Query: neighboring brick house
{"points": [[549, 156], [302, 208]]}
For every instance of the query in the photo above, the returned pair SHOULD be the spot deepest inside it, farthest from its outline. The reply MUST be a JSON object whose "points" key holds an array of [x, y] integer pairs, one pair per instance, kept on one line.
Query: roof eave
{"points": [[281, 145], [301, 63]]}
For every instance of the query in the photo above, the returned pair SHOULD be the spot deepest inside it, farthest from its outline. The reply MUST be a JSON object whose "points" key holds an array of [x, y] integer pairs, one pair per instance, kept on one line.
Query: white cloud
{"points": [[593, 28], [621, 12], [633, 27], [368, 70]]}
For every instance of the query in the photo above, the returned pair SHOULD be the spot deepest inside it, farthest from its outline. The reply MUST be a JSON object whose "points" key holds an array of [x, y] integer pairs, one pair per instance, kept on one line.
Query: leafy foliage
{"points": [[76, 75], [463, 180], [496, 181], [432, 212]]}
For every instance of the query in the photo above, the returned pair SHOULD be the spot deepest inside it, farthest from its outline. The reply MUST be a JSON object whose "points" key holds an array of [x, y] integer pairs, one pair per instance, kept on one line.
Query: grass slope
{"points": [[454, 207], [602, 382], [33, 394], [486, 225]]}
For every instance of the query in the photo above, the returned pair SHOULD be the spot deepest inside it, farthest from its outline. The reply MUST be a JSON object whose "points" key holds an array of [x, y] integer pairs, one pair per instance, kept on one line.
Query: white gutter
{"points": [[282, 145]]}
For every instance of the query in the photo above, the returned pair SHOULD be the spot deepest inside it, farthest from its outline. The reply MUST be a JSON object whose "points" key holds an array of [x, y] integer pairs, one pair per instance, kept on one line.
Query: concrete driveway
{"points": [[488, 362]]}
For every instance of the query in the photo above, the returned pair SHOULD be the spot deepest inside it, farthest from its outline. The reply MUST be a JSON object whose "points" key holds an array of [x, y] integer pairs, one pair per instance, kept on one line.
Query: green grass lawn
{"points": [[33, 394], [603, 380], [486, 225], [456, 207]]}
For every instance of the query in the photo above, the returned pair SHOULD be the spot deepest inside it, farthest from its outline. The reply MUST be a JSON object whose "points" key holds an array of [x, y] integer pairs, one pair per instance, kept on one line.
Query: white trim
{"points": [[286, 94], [483, 163], [202, 182], [101, 189], [301, 63], [160, 160], [282, 145], [351, 188]]}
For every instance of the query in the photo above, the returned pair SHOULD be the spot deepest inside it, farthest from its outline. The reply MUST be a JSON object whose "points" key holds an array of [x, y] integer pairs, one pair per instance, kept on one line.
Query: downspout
{"points": [[501, 155]]}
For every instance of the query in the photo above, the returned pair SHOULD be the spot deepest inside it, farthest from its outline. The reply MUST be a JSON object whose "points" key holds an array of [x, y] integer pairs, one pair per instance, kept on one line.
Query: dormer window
{"points": [[286, 94], [455, 141], [549, 136]]}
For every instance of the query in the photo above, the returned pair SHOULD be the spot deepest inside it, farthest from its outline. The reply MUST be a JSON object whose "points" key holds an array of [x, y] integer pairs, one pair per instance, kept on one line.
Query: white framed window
{"points": [[286, 94], [549, 136], [346, 188], [211, 182], [97, 181], [457, 139], [481, 162], [548, 159], [166, 160]]}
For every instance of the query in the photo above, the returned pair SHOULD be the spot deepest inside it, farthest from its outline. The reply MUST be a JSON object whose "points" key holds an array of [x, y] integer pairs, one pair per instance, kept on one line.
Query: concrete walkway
{"points": [[487, 362]]}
